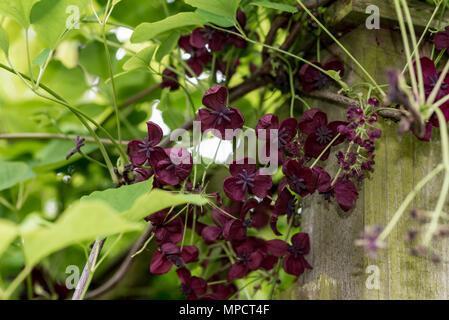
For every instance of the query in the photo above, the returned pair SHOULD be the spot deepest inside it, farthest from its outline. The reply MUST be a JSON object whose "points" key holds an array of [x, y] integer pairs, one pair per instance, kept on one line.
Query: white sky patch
{"points": [[121, 53], [208, 147], [123, 34], [194, 80], [156, 117]]}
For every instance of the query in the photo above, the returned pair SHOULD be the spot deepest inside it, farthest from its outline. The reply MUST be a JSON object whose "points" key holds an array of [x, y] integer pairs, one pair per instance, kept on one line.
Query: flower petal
{"points": [[233, 190], [237, 271], [216, 97], [137, 155], [277, 248], [311, 120], [155, 133], [189, 254], [160, 264], [262, 184]]}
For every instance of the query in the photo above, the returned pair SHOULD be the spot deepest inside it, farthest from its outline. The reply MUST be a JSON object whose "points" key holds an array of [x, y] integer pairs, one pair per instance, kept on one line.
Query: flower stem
{"points": [[324, 151]]}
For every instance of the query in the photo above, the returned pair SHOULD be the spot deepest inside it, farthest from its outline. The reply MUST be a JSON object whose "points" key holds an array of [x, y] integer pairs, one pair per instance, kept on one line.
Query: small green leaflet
{"points": [[83, 221], [274, 5], [141, 60], [222, 8], [12, 173], [8, 231], [123, 198], [4, 41], [18, 10], [147, 31], [42, 57], [157, 200]]}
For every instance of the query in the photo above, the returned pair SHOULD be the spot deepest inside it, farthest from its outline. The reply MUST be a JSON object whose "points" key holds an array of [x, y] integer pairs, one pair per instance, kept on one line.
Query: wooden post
{"points": [[341, 269]]}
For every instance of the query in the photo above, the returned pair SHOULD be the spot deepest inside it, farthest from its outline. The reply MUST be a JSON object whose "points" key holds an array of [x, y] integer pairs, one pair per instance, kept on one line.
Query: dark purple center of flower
{"points": [[244, 257], [433, 81], [248, 223], [246, 180], [321, 80], [291, 206], [298, 183], [323, 135], [282, 136], [223, 114], [296, 250], [186, 289], [176, 260], [147, 147]]}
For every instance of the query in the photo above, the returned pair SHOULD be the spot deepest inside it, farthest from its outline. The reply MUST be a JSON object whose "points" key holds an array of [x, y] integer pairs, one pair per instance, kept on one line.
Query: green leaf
{"points": [[336, 76], [8, 231], [12, 173], [147, 31], [42, 57], [93, 59], [18, 10], [83, 221], [213, 18], [274, 5], [167, 45], [51, 18], [4, 41], [141, 60], [123, 198], [223, 8], [157, 200]]}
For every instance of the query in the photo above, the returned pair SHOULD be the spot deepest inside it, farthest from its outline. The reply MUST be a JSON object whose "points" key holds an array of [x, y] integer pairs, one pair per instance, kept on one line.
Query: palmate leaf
{"points": [[147, 31]]}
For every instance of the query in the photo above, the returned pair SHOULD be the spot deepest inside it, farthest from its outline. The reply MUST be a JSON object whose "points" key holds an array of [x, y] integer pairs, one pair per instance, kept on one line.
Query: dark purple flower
{"points": [[236, 40], [139, 151], [284, 133], [79, 142], [212, 233], [169, 80], [221, 291], [170, 254], [441, 39], [175, 167], [249, 259], [198, 57], [301, 180], [166, 229], [294, 262], [313, 79], [218, 115], [191, 287], [235, 229], [319, 133], [213, 38], [246, 177], [344, 191]]}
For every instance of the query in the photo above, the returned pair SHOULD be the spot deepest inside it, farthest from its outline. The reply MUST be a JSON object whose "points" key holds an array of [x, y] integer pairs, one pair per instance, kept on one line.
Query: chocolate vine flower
{"points": [[344, 191], [319, 133], [213, 38], [248, 217], [140, 151], [166, 229], [430, 77], [199, 58], [301, 180], [175, 167], [246, 178], [221, 291], [169, 80], [218, 115], [191, 287], [248, 259], [294, 262], [313, 79], [282, 133], [285, 205], [441, 39], [212, 233], [170, 254]]}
